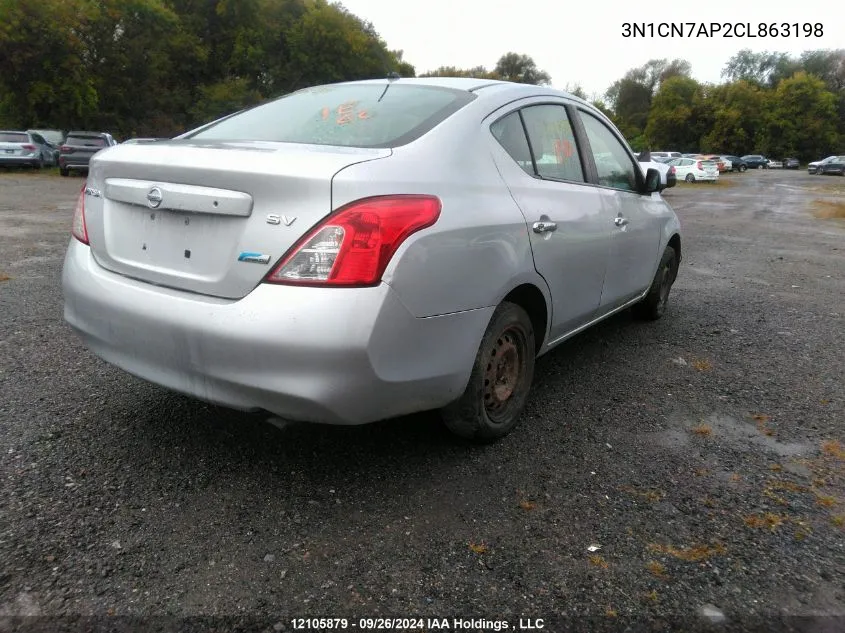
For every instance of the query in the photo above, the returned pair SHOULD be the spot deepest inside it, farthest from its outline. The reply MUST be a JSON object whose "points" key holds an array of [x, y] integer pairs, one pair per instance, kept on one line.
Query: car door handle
{"points": [[620, 221], [544, 227]]}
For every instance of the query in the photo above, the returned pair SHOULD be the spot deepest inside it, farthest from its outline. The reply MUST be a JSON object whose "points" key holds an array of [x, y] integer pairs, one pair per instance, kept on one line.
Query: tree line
{"points": [[770, 103], [159, 67]]}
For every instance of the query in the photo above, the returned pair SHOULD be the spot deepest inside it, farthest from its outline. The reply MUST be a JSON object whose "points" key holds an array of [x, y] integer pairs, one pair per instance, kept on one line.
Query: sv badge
{"points": [[274, 218]]}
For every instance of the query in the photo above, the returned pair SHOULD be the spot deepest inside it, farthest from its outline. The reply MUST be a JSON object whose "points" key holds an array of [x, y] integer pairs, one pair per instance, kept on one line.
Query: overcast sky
{"points": [[586, 47]]}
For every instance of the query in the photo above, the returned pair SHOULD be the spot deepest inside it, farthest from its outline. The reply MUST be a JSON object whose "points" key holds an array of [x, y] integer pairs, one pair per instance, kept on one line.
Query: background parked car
{"points": [[775, 164], [836, 166], [25, 149], [668, 155], [721, 164], [54, 139], [815, 166], [79, 147], [756, 161], [737, 164], [691, 169], [791, 163]]}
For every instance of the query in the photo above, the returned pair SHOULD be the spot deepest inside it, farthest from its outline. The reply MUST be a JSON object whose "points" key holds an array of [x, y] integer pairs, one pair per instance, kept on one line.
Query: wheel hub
{"points": [[502, 374]]}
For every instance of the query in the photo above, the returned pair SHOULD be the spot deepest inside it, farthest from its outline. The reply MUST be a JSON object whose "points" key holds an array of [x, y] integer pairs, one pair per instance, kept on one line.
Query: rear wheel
{"points": [[501, 378], [759, 167], [690, 178], [742, 168], [653, 306]]}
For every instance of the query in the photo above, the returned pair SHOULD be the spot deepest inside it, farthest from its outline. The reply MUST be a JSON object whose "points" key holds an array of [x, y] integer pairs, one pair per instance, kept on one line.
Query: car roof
{"points": [[13, 132], [474, 84], [87, 133]]}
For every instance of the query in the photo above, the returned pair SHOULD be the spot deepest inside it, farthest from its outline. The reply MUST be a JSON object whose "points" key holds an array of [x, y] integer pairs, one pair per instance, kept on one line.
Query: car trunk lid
{"points": [[209, 217]]}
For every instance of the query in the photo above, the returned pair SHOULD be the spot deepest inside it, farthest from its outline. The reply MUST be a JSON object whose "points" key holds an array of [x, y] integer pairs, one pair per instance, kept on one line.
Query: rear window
{"points": [[13, 137], [90, 141], [351, 115]]}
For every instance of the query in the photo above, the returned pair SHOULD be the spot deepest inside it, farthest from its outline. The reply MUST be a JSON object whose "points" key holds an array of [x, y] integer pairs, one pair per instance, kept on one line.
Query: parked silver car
{"points": [[25, 149], [358, 251]]}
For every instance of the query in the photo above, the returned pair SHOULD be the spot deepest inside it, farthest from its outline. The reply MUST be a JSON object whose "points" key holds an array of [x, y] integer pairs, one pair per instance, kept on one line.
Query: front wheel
{"points": [[495, 397], [742, 168], [759, 167], [690, 178], [653, 305]]}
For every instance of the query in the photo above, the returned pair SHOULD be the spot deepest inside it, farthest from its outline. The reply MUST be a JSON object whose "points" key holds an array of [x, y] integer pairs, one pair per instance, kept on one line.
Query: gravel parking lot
{"points": [[704, 454]]}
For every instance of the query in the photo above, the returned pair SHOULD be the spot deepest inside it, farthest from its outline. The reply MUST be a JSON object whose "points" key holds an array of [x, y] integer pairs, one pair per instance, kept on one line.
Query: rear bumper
{"points": [[68, 162], [29, 159], [342, 356]]}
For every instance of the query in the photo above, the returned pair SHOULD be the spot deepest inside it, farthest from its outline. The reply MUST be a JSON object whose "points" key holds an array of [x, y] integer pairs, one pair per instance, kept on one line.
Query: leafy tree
{"points": [[677, 117], [738, 111], [521, 69], [757, 68], [802, 119], [479, 72]]}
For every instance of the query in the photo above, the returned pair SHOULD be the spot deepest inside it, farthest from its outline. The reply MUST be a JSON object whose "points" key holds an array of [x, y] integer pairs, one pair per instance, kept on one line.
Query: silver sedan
{"points": [[363, 250]]}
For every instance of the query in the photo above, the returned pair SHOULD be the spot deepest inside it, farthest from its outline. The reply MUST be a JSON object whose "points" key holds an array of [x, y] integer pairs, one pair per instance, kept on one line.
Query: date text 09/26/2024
{"points": [[416, 624], [746, 30]]}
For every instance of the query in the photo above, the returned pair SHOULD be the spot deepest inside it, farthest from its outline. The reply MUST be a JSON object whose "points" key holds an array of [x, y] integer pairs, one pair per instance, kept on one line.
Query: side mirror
{"points": [[652, 180]]}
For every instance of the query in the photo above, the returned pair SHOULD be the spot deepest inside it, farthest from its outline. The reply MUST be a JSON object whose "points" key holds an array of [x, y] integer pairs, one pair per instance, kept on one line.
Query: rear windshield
{"points": [[13, 137], [91, 141], [351, 115]]}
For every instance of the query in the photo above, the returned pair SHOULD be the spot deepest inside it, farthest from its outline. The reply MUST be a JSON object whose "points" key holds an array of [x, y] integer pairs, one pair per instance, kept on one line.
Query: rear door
{"points": [[632, 217], [569, 227]]}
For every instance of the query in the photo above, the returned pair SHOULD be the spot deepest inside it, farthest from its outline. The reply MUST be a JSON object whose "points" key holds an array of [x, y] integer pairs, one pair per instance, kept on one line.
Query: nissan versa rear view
{"points": [[364, 250]]}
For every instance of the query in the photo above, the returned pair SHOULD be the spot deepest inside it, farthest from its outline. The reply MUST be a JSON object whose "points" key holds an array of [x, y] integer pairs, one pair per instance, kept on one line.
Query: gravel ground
{"points": [[704, 454]]}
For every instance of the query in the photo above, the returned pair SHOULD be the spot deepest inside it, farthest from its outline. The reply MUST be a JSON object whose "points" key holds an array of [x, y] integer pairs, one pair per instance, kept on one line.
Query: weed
{"points": [[828, 209], [598, 561], [767, 520], [702, 430], [478, 548], [610, 612], [826, 501], [833, 448], [4, 276], [651, 596], [527, 505], [702, 365], [656, 569], [776, 468]]}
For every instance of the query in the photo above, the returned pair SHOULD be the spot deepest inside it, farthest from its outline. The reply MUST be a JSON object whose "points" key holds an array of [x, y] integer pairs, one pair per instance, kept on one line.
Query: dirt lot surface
{"points": [[702, 455]]}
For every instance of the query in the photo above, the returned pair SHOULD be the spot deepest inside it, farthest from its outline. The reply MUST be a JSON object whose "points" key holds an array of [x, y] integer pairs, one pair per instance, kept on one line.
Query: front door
{"points": [[635, 217]]}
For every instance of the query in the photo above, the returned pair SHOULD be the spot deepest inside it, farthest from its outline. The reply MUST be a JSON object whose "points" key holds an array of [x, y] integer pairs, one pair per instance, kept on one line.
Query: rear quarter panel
{"points": [[478, 250]]}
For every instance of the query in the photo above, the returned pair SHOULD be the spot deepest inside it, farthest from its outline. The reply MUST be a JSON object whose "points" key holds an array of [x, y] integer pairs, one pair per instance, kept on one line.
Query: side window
{"points": [[39, 139], [615, 167], [553, 142], [511, 136]]}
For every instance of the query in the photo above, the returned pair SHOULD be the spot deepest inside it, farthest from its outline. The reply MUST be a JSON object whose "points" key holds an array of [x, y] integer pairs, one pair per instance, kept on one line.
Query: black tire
{"points": [[759, 167], [492, 404], [690, 178], [742, 168], [64, 171], [653, 306]]}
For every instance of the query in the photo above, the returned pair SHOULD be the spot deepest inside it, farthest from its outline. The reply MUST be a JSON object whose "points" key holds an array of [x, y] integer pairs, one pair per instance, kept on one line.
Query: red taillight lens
{"points": [[672, 169], [78, 228], [698, 164], [66, 149], [353, 246], [29, 147]]}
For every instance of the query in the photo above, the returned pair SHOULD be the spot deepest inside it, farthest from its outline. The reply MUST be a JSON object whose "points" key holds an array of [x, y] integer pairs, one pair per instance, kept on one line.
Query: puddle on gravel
{"points": [[724, 428]]}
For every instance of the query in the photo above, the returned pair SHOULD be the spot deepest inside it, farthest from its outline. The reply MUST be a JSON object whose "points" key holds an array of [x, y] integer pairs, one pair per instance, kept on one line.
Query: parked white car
{"points": [[691, 169], [775, 164]]}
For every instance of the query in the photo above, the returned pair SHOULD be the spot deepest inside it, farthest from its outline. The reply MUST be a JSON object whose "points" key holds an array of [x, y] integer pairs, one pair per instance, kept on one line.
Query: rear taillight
{"points": [[698, 164], [672, 170], [66, 149], [78, 228], [353, 246], [31, 148]]}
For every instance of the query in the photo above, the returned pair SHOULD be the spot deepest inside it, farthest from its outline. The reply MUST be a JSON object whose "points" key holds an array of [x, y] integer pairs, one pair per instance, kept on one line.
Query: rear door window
{"points": [[511, 136], [351, 115], [553, 143]]}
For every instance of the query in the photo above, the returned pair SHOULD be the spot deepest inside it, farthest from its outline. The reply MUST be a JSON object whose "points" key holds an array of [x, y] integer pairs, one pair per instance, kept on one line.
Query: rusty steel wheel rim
{"points": [[503, 373]]}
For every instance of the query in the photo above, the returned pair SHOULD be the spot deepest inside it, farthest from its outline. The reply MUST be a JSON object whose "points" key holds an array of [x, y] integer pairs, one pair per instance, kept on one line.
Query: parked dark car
{"points": [[24, 149], [815, 166], [737, 164], [835, 167], [756, 161], [79, 147], [791, 163]]}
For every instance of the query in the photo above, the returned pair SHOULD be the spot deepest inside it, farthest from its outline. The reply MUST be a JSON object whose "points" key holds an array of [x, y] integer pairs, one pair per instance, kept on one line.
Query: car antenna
{"points": [[391, 77]]}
